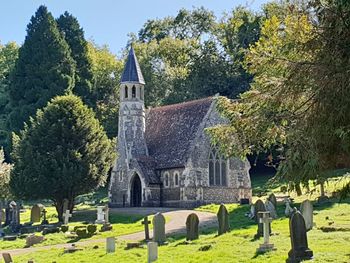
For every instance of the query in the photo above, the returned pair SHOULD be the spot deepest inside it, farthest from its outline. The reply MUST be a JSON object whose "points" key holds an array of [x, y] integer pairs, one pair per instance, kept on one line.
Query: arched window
{"points": [[217, 168], [176, 179], [126, 92], [133, 92], [166, 179]]}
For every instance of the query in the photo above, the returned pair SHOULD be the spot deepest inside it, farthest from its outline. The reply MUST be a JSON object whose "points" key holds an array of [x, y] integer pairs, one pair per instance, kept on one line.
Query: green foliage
{"points": [[74, 36], [8, 57], [62, 152], [5, 170], [91, 229], [106, 71], [297, 107], [81, 233], [43, 70], [64, 228]]}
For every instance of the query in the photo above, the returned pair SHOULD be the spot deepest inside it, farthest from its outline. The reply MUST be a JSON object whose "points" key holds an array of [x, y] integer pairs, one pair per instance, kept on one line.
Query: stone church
{"points": [[165, 158]]}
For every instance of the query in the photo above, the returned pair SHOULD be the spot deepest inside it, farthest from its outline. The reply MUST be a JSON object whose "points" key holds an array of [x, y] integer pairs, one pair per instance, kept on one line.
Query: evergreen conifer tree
{"points": [[44, 69], [74, 35]]}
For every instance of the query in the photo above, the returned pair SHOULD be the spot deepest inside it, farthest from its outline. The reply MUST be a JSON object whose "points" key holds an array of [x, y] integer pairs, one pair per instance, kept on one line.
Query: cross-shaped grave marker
{"points": [[146, 222], [265, 219], [66, 217]]}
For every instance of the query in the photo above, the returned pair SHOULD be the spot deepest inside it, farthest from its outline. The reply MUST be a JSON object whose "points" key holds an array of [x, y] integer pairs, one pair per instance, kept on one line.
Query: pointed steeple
{"points": [[132, 71]]}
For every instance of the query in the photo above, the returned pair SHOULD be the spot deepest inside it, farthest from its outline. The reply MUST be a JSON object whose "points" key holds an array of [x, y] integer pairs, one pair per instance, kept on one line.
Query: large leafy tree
{"points": [[8, 56], [43, 70], [298, 104], [62, 152], [5, 170], [74, 35]]}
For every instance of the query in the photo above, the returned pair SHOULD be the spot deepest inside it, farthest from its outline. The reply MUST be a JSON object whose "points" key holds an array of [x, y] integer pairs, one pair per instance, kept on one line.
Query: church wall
{"points": [[171, 192]]}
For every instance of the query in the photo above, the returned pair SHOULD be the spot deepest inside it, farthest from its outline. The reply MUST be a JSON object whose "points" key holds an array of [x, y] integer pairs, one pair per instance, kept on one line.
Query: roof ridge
{"points": [[182, 103]]}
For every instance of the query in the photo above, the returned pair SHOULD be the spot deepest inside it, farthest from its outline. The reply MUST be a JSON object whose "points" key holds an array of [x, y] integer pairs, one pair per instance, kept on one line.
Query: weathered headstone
{"points": [[273, 200], [15, 216], [224, 225], [271, 208], [289, 210], [8, 214], [307, 211], [159, 228], [265, 219], [33, 240], [152, 251], [192, 223], [110, 244], [259, 207], [7, 258], [300, 250], [66, 217], [106, 211], [100, 215], [146, 223], [35, 213]]}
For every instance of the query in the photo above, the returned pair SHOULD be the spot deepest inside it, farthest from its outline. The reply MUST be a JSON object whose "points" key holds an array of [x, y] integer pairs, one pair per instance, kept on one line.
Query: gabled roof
{"points": [[132, 72], [171, 129]]}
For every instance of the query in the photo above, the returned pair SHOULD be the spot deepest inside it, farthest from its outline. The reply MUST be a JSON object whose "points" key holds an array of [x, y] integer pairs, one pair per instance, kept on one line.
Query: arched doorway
{"points": [[135, 191]]}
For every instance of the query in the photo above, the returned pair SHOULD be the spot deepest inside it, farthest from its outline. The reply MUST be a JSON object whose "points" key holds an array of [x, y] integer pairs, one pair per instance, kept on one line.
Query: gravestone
{"points": [[66, 217], [7, 258], [307, 211], [271, 208], [146, 223], [106, 211], [15, 216], [258, 207], [265, 219], [8, 215], [289, 210], [159, 228], [192, 223], [35, 213], [300, 250], [100, 215], [110, 245], [273, 200], [152, 251], [33, 240], [45, 221], [224, 225]]}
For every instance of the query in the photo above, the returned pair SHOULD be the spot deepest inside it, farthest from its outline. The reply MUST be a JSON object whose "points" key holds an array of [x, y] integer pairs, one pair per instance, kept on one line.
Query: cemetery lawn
{"points": [[122, 225], [236, 246]]}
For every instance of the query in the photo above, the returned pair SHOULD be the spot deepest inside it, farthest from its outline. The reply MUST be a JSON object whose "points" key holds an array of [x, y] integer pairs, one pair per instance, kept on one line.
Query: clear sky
{"points": [[105, 21]]}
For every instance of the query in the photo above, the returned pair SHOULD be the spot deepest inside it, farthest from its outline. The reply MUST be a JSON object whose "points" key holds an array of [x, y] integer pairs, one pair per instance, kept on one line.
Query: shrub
{"points": [[92, 229], [64, 228], [81, 233]]}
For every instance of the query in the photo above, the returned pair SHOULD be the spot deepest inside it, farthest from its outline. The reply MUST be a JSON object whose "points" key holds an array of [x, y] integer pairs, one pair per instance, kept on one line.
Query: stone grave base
{"points": [[265, 247], [298, 256], [133, 245]]}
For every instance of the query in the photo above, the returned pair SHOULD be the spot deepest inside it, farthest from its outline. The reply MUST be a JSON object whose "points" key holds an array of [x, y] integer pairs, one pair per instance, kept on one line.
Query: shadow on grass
{"points": [[89, 216]]}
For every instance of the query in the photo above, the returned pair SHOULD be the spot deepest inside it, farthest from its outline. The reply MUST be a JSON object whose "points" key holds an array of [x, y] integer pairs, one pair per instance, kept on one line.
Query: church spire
{"points": [[132, 72]]}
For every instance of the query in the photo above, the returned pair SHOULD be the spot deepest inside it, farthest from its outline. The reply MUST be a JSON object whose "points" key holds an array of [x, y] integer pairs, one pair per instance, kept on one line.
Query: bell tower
{"points": [[131, 134]]}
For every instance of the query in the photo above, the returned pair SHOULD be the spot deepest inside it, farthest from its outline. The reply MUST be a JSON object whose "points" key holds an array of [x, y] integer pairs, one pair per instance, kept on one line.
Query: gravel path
{"points": [[176, 225]]}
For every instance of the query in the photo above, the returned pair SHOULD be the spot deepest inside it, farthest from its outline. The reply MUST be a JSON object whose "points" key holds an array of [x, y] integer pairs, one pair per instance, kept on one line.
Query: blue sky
{"points": [[105, 21]]}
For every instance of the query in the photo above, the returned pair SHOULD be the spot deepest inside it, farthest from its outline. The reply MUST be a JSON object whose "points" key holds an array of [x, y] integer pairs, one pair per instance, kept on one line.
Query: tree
{"points": [[43, 70], [8, 57], [74, 35], [107, 70], [298, 104], [5, 170], [62, 152]]}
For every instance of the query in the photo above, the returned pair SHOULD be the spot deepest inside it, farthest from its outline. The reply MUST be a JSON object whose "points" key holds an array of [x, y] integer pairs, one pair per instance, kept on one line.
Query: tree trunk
{"points": [[298, 189], [59, 209], [322, 189]]}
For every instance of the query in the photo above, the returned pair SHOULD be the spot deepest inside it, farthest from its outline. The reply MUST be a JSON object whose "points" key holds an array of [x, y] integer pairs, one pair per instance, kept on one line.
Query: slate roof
{"points": [[147, 166], [170, 130], [132, 72]]}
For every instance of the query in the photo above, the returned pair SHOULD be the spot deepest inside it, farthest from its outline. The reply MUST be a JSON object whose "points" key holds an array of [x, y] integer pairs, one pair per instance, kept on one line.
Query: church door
{"points": [[135, 191]]}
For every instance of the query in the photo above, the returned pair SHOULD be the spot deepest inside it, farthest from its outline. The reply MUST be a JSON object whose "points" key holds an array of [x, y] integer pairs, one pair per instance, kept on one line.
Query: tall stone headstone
{"points": [[300, 250], [152, 251], [100, 215], [110, 245], [159, 228], [7, 258], [192, 223], [273, 200], [271, 208], [307, 211], [224, 225], [15, 216], [289, 210], [260, 207], [35, 213]]}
